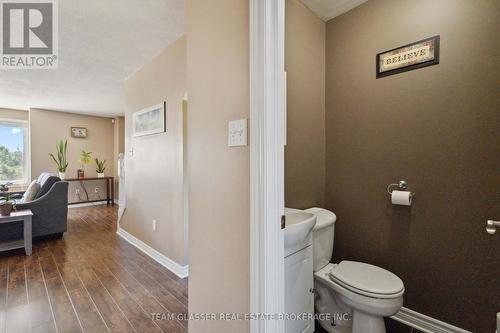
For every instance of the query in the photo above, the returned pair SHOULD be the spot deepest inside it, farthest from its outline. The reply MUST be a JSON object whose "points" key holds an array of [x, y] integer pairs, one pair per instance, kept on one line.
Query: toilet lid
{"points": [[367, 278]]}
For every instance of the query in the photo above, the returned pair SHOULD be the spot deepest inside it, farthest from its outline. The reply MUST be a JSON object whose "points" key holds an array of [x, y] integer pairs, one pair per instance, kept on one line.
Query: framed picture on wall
{"points": [[419, 54], [79, 132], [151, 120]]}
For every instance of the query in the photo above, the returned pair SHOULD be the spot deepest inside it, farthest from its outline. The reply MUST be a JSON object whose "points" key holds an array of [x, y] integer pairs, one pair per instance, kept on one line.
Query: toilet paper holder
{"points": [[401, 186]]}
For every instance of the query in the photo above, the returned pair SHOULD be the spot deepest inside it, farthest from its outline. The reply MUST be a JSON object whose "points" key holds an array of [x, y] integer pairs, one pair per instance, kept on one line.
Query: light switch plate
{"points": [[237, 134]]}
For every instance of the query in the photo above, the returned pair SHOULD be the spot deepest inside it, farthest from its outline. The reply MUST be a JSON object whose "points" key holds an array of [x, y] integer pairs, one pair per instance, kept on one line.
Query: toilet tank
{"points": [[323, 234]]}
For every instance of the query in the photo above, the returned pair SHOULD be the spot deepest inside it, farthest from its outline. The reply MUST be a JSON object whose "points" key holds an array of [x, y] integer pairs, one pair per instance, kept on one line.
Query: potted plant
{"points": [[61, 162], [5, 187], [7, 204], [100, 168], [85, 158]]}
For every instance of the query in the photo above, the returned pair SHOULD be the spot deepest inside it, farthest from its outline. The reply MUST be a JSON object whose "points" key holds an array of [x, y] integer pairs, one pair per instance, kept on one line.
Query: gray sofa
{"points": [[49, 207]]}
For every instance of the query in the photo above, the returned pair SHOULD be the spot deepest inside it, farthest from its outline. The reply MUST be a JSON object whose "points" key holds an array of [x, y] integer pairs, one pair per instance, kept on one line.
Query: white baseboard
{"points": [[180, 271], [425, 323], [90, 204]]}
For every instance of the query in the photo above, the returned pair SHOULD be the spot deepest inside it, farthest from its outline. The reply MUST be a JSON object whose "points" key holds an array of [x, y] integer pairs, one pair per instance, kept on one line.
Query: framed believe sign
{"points": [[408, 57]]}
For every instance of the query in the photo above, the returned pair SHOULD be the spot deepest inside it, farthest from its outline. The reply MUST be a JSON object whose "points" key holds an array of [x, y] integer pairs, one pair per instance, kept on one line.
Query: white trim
{"points": [[88, 204], [185, 178], [121, 211], [27, 154], [267, 40], [180, 271], [14, 120], [425, 323], [121, 188], [30, 157]]}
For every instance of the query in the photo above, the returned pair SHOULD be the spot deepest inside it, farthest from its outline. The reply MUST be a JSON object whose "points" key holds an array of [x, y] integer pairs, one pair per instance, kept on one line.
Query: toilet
{"points": [[350, 296]]}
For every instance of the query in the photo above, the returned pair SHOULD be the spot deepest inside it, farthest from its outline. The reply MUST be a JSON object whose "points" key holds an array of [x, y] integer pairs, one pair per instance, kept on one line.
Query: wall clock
{"points": [[78, 132]]}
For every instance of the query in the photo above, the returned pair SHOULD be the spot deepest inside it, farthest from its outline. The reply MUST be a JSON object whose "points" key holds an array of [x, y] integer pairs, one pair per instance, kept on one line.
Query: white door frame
{"points": [[267, 126]]}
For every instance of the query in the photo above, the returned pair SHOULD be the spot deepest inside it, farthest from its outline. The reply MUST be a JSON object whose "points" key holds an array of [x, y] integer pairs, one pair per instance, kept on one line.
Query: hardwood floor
{"points": [[91, 280]]}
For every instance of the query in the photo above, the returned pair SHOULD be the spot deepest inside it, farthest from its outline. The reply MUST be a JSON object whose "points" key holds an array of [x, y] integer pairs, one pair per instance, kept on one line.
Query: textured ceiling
{"points": [[101, 43], [328, 9]]}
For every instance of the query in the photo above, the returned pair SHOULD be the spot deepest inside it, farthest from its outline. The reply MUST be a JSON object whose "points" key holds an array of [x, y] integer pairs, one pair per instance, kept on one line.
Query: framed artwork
{"points": [[79, 132], [151, 120], [419, 54]]}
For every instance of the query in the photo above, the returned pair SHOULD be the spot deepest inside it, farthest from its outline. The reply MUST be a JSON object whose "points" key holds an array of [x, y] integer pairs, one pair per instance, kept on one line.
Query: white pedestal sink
{"points": [[298, 230]]}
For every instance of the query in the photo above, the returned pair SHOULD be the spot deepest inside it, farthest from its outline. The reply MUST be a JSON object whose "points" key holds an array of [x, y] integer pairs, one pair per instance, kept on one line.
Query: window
{"points": [[14, 158]]}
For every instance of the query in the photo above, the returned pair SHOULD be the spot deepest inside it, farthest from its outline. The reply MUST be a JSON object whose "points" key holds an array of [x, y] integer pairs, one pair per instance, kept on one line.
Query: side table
{"points": [[17, 216]]}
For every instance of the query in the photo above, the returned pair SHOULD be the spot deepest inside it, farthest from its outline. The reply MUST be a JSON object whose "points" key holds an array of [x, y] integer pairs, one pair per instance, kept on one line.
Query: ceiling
{"points": [[328, 9], [101, 43]]}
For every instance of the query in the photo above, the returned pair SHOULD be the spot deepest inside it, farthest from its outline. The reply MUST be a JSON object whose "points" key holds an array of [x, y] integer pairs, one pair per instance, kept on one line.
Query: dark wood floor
{"points": [[91, 280]]}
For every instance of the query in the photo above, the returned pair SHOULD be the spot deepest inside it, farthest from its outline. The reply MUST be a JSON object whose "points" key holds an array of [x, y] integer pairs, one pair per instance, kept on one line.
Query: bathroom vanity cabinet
{"points": [[299, 297]]}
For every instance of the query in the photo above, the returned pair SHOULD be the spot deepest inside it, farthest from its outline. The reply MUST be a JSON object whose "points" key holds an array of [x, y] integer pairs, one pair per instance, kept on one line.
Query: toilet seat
{"points": [[366, 279], [368, 309]]}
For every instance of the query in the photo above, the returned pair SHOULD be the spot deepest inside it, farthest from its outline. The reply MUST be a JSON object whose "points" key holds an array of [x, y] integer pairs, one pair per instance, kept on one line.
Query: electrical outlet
{"points": [[96, 190], [154, 225], [77, 191]]}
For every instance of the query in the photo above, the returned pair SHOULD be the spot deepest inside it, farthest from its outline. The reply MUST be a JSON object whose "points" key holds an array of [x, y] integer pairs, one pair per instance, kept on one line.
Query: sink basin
{"points": [[298, 230]]}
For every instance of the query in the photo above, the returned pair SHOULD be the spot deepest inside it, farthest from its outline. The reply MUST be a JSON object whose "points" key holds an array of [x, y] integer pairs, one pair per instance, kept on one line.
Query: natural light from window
{"points": [[13, 152]]}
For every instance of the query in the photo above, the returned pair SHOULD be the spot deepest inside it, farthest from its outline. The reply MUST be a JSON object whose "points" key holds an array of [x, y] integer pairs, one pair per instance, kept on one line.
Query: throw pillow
{"points": [[31, 192]]}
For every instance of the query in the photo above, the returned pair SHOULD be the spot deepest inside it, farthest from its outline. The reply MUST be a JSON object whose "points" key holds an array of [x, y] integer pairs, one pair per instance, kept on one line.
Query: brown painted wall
{"points": [[219, 176], [438, 128], [154, 174], [305, 67]]}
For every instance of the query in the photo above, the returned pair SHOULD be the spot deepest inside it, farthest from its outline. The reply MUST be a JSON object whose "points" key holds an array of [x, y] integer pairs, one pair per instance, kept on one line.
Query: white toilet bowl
{"points": [[357, 296], [356, 309]]}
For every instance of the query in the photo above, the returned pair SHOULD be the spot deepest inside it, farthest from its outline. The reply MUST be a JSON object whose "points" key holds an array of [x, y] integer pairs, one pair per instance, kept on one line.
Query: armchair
{"points": [[49, 207]]}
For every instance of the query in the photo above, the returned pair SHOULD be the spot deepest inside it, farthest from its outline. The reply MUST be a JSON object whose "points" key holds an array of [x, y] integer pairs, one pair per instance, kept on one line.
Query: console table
{"points": [[17, 216], [110, 189]]}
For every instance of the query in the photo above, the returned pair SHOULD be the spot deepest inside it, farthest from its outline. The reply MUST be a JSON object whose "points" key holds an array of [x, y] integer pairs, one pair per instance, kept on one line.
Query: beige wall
{"points": [[305, 67], [436, 127], [47, 127], [14, 114], [154, 174], [218, 85]]}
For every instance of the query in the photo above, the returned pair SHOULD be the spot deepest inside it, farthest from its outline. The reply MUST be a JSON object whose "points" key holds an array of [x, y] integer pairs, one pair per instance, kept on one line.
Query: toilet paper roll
{"points": [[401, 198]]}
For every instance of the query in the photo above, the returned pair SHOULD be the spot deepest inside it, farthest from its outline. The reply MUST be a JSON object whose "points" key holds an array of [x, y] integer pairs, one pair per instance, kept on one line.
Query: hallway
{"points": [[91, 280]]}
